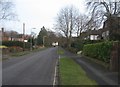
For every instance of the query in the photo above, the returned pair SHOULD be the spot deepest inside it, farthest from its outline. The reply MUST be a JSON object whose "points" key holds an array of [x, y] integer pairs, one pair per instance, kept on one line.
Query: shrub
{"points": [[12, 43], [99, 51], [71, 49], [79, 44], [16, 43], [15, 49]]}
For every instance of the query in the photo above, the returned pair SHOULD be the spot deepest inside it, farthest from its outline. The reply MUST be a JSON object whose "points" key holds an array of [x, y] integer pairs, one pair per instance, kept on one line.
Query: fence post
{"points": [[114, 57]]}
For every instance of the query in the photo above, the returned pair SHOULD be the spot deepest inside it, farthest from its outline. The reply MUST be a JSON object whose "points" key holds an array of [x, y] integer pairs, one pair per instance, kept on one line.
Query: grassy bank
{"points": [[72, 74], [26, 52], [18, 54]]}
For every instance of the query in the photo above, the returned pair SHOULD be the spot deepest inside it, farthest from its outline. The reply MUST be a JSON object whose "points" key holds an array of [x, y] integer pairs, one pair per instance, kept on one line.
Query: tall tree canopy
{"points": [[66, 22], [109, 10], [42, 33], [104, 8]]}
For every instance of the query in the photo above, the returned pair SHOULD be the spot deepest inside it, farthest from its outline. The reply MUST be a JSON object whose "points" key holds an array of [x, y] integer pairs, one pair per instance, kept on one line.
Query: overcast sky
{"points": [[38, 13]]}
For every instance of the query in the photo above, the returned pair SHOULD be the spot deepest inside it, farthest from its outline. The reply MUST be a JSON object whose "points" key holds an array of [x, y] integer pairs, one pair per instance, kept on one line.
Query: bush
{"points": [[15, 49], [71, 49], [12, 43], [99, 51], [16, 43], [79, 44]]}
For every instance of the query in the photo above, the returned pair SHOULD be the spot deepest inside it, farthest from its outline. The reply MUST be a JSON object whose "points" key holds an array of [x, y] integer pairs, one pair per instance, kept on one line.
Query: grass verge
{"points": [[60, 52], [26, 52], [19, 53], [72, 74]]}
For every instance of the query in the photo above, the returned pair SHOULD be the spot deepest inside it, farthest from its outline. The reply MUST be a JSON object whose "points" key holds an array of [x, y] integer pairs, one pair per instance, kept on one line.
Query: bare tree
{"points": [[6, 10], [104, 10], [66, 22], [81, 24]]}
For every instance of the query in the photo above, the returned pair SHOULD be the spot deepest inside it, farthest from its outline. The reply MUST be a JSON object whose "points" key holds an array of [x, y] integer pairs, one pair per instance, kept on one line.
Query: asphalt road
{"points": [[32, 69]]}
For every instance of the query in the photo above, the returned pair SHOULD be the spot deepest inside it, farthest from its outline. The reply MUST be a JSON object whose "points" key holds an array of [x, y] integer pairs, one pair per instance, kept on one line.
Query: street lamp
{"points": [[31, 39]]}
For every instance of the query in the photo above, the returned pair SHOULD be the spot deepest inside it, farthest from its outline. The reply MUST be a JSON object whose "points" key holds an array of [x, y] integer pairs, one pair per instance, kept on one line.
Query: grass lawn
{"points": [[72, 74]]}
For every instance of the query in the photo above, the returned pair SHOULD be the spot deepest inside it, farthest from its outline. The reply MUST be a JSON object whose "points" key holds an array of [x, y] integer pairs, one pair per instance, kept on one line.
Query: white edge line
{"points": [[54, 81]]}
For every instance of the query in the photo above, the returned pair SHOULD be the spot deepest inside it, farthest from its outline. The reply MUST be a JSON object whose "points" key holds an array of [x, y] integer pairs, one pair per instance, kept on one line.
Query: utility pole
{"points": [[31, 41], [23, 36], [3, 35]]}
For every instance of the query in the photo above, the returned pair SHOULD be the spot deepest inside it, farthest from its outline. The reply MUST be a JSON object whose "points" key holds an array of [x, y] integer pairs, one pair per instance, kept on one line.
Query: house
{"points": [[92, 34], [111, 29], [55, 44], [12, 36]]}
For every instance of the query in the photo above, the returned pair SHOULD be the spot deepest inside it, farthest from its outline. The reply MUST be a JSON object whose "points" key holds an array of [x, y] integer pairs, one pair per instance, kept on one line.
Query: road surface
{"points": [[32, 69]]}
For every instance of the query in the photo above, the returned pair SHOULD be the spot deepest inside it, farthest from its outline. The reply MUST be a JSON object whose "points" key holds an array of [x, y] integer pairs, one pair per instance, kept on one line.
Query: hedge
{"points": [[99, 51], [16, 43], [79, 44]]}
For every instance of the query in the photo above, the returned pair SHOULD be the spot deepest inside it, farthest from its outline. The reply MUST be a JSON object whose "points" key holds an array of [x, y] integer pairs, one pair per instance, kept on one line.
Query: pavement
{"points": [[37, 68], [95, 71]]}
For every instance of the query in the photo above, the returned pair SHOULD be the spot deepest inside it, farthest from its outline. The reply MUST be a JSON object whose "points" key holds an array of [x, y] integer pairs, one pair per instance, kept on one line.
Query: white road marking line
{"points": [[54, 81], [55, 74]]}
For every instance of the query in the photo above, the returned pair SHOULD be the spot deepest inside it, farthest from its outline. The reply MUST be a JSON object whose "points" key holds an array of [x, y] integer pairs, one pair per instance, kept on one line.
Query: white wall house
{"points": [[55, 44]]}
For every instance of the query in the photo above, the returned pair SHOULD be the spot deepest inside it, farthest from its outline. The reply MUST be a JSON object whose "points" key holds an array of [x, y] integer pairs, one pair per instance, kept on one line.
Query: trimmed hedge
{"points": [[79, 44], [99, 51], [16, 43]]}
